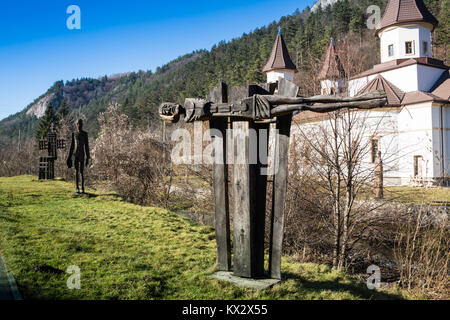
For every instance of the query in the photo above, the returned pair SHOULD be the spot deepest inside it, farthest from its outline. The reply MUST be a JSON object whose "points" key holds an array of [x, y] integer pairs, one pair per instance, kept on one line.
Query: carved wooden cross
{"points": [[51, 144], [246, 108]]}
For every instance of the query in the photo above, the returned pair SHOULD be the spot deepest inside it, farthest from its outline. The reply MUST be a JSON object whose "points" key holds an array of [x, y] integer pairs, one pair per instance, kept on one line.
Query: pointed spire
{"points": [[332, 67], [279, 58], [379, 83], [401, 11]]}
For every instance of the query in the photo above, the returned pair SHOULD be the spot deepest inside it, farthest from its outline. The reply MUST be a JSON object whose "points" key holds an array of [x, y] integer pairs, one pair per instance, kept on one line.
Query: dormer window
{"points": [[409, 48], [391, 50], [425, 48]]}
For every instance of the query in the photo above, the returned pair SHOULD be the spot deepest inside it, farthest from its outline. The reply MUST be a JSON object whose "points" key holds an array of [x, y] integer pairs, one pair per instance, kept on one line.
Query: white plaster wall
{"points": [[415, 125], [403, 133], [381, 124], [398, 36], [355, 85], [446, 118], [441, 140], [427, 77], [273, 76], [408, 79], [337, 85]]}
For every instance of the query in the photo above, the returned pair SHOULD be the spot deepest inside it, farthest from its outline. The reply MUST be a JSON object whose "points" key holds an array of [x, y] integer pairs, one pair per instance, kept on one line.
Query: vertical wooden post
{"points": [[249, 193], [260, 199], [220, 177], [287, 89], [242, 194], [243, 201]]}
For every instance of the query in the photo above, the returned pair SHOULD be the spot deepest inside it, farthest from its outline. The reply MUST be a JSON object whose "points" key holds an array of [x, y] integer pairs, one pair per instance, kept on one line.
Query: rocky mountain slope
{"points": [[323, 4], [238, 61]]}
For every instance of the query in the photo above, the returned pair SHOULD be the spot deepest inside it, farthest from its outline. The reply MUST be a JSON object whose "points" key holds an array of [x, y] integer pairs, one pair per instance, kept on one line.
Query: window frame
{"points": [[412, 48], [389, 50], [425, 46]]}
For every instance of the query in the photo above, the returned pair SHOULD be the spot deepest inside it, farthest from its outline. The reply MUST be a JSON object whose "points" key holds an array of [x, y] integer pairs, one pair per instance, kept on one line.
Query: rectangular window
{"points": [[425, 48], [375, 148], [391, 50], [418, 166], [409, 49]]}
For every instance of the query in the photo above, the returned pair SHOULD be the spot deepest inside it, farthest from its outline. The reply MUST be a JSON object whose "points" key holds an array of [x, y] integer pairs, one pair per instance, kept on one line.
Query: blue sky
{"points": [[37, 48]]}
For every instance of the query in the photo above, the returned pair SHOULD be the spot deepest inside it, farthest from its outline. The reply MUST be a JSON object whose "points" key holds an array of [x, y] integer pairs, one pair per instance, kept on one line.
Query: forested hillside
{"points": [[240, 60]]}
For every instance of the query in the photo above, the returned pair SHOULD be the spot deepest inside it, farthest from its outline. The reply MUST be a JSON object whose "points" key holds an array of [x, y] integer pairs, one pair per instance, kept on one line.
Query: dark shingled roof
{"points": [[400, 11], [279, 58], [332, 67], [394, 94]]}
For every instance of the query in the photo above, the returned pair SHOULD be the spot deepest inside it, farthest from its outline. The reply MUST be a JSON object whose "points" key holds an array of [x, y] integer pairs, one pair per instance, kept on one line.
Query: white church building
{"points": [[413, 133]]}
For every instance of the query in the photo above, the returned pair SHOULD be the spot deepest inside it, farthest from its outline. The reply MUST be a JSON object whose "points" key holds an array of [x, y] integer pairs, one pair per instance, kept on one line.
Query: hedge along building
{"points": [[412, 131]]}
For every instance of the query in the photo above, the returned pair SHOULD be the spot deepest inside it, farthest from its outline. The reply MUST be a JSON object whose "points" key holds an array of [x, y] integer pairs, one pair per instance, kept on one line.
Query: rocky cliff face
{"points": [[38, 108], [323, 3]]}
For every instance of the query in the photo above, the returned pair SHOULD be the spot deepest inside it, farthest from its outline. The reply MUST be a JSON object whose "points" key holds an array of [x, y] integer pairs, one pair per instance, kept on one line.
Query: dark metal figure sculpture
{"points": [[245, 108], [51, 144], [79, 145]]}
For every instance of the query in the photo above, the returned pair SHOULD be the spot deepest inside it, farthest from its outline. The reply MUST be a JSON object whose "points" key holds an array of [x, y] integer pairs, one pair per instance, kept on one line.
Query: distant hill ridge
{"points": [[238, 61]]}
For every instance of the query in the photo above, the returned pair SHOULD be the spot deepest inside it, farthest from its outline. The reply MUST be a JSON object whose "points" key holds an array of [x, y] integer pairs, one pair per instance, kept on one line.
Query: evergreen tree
{"points": [[46, 122], [63, 111]]}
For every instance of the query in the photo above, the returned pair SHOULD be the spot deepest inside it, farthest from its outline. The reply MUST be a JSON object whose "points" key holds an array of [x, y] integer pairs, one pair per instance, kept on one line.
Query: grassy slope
{"points": [[127, 251]]}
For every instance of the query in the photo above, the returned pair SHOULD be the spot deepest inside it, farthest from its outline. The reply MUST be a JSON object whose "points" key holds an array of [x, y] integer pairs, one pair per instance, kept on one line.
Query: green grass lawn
{"points": [[418, 195], [412, 195], [126, 251]]}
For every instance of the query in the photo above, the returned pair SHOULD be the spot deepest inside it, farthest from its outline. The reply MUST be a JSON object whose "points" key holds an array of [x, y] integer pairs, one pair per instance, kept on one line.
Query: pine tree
{"points": [[63, 111], [46, 122]]}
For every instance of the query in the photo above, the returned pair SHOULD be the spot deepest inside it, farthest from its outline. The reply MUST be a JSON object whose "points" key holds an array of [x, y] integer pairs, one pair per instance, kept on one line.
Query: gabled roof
{"points": [[279, 58], [401, 11], [332, 66], [394, 94], [441, 88]]}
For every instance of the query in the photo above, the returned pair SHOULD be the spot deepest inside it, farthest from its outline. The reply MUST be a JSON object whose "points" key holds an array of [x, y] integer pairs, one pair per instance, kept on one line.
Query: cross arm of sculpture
{"points": [[266, 107]]}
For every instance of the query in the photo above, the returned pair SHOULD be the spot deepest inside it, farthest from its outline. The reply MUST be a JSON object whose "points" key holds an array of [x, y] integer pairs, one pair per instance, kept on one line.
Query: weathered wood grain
{"points": [[220, 182], [287, 89], [249, 192]]}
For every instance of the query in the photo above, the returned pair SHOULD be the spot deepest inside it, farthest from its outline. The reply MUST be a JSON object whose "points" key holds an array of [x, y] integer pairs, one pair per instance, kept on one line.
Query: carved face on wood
{"points": [[171, 112]]}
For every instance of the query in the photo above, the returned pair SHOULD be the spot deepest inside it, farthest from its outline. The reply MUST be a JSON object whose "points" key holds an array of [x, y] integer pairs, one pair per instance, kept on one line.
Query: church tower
{"points": [[332, 76], [405, 30], [405, 48], [280, 64]]}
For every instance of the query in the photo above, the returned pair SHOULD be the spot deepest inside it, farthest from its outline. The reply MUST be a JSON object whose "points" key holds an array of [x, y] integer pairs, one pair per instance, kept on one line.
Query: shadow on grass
{"points": [[358, 290], [84, 195], [8, 219]]}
